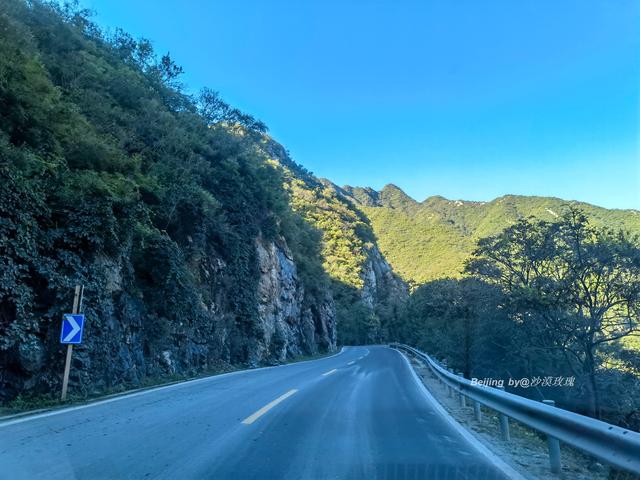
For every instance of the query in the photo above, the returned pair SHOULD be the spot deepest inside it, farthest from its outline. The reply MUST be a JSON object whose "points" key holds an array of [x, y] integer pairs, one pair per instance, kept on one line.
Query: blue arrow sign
{"points": [[72, 326]]}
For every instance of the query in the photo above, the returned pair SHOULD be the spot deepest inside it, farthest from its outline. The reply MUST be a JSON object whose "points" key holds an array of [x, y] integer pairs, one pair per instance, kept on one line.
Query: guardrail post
{"points": [[504, 424], [504, 427], [463, 401], [554, 447], [449, 386], [477, 410]]}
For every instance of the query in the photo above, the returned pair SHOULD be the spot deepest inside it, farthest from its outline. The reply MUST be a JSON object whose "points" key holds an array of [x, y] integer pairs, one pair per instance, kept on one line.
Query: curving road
{"points": [[358, 414]]}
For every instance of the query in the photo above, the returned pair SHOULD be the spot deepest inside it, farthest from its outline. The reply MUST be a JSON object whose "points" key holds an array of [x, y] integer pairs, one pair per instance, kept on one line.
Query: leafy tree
{"points": [[460, 321], [573, 287]]}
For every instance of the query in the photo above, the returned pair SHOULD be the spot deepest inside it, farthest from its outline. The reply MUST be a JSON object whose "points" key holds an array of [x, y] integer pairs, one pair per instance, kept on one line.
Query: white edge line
{"points": [[508, 470], [27, 417], [252, 418], [329, 372]]}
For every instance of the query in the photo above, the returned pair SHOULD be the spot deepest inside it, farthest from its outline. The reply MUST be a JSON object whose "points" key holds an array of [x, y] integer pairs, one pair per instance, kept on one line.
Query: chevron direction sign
{"points": [[72, 326]]}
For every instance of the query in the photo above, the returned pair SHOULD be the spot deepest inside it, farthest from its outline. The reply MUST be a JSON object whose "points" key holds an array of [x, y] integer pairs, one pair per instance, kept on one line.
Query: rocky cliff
{"points": [[381, 284], [289, 327], [199, 242], [125, 343]]}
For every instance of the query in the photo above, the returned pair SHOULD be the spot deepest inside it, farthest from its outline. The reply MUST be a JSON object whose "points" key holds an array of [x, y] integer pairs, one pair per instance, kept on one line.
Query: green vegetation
{"points": [[103, 158], [542, 299], [113, 177], [348, 255], [347, 236], [433, 239]]}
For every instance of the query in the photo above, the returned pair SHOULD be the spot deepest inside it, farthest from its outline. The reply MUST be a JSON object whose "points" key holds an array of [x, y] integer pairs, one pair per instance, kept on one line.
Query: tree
{"points": [[215, 110], [572, 287], [460, 321]]}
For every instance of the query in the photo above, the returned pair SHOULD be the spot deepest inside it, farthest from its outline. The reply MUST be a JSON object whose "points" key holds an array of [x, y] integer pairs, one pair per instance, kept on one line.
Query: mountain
{"points": [[199, 242], [432, 239]]}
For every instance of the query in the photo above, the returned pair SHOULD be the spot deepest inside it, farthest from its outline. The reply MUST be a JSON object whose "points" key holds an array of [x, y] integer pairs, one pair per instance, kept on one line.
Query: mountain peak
{"points": [[391, 187], [365, 196], [390, 196], [394, 197]]}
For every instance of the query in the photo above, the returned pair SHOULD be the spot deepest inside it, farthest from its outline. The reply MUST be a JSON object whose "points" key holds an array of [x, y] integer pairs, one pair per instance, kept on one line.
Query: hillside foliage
{"points": [[154, 199], [559, 299], [432, 239], [347, 252], [113, 177]]}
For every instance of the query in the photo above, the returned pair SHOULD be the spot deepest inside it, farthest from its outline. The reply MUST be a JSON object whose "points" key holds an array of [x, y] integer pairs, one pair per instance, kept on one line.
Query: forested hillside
{"points": [[199, 242], [432, 239], [367, 292]]}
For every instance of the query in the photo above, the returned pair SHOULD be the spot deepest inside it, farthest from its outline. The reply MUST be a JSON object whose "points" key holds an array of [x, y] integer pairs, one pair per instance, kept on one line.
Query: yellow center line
{"points": [[252, 418], [329, 372]]}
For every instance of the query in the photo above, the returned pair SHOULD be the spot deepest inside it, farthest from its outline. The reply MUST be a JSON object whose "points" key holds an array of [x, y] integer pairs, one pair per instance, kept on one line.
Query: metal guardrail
{"points": [[609, 443]]}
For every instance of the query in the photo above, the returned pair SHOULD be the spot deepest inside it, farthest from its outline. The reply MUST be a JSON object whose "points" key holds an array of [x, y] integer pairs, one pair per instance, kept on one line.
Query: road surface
{"points": [[358, 414]]}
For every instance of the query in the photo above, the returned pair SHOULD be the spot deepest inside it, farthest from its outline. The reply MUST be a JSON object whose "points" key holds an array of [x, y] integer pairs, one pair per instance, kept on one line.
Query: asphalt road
{"points": [[358, 414]]}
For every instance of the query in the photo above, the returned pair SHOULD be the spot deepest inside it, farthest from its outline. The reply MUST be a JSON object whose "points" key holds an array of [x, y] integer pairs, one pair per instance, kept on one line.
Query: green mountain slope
{"points": [[198, 240], [432, 239], [367, 292]]}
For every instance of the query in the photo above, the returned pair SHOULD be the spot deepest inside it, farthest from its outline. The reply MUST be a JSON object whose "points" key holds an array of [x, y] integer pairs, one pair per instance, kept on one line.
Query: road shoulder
{"points": [[526, 453]]}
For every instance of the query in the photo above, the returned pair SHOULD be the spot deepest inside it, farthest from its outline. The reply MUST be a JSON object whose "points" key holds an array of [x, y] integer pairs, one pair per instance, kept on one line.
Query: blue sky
{"points": [[469, 99]]}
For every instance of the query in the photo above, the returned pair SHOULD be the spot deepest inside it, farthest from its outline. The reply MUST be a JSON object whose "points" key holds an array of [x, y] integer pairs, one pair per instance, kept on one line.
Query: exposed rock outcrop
{"points": [[124, 343], [289, 326], [381, 284]]}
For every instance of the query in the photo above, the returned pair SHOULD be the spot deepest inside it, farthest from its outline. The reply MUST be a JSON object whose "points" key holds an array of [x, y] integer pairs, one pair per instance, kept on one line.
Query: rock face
{"points": [[124, 343], [381, 284], [289, 326]]}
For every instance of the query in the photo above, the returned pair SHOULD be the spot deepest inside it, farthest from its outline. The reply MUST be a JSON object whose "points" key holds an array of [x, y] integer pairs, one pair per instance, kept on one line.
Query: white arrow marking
{"points": [[75, 328]]}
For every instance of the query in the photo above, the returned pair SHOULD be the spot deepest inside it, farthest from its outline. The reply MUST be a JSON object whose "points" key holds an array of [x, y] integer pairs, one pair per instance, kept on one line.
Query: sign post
{"points": [[71, 334]]}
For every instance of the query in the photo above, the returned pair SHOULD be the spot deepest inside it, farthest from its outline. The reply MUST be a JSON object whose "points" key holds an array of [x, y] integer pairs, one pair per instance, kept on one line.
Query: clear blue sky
{"points": [[469, 99]]}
